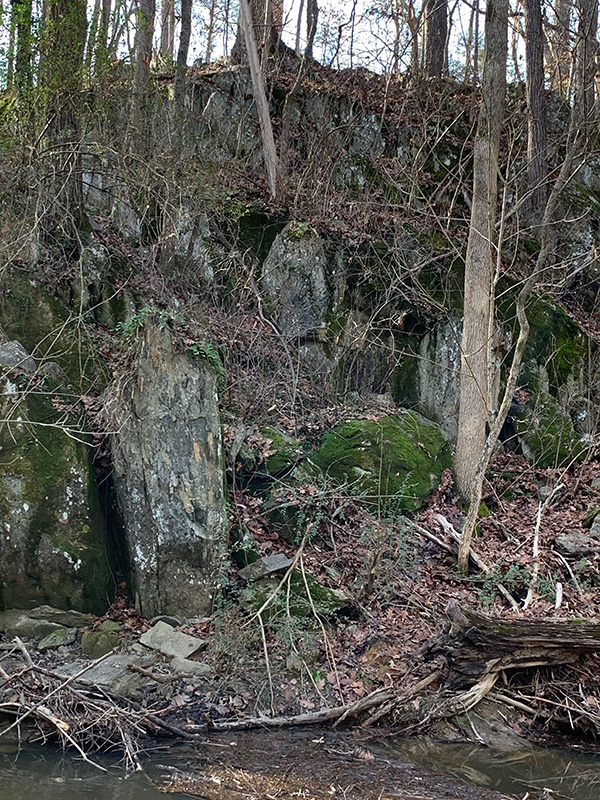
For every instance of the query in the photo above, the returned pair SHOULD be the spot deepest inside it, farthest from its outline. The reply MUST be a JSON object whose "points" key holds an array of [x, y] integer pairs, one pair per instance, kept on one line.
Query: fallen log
{"points": [[476, 645]]}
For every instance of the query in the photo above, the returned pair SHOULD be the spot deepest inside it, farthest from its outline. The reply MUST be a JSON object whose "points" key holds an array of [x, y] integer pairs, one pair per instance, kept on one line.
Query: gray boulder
{"points": [[13, 354], [167, 640], [293, 276], [168, 475]]}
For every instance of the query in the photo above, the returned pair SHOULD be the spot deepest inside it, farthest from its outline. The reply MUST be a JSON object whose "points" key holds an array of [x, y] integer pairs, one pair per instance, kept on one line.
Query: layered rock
{"points": [[168, 475]]}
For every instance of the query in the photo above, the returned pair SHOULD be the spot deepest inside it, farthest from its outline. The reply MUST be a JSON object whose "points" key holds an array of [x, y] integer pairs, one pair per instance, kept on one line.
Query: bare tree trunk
{"points": [[167, 29], [585, 62], [436, 34], [210, 32], [474, 411], [312, 16], [537, 138], [143, 55], [560, 47], [269, 152], [183, 49], [22, 11], [10, 54], [267, 23], [414, 22]]}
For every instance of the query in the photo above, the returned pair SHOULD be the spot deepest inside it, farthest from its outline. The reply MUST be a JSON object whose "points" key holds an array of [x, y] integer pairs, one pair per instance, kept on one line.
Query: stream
{"points": [[252, 764]]}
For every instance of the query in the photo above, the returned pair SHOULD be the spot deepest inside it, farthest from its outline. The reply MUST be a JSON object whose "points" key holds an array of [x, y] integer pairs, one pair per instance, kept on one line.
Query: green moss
{"points": [[547, 434], [56, 551], [392, 463], [287, 451], [554, 340], [293, 598], [47, 330], [257, 230]]}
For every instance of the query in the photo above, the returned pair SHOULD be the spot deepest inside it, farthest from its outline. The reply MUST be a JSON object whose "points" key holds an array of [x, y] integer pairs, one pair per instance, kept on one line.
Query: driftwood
{"points": [[477, 645], [479, 649]]}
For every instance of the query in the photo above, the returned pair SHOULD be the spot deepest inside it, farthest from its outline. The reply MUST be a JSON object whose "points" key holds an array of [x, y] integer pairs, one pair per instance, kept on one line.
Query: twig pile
{"points": [[84, 717]]}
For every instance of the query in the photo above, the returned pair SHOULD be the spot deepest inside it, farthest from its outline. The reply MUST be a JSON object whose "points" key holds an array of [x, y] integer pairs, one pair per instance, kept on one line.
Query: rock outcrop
{"points": [[168, 475]]}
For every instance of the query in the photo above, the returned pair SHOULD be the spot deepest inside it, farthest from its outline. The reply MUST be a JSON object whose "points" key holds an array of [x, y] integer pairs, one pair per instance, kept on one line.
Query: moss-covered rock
{"points": [[546, 432], [46, 329], [391, 463], [287, 451], [53, 547], [293, 598]]}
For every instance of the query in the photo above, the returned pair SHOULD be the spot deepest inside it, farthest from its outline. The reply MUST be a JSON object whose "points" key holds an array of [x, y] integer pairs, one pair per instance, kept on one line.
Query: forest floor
{"points": [[536, 540]]}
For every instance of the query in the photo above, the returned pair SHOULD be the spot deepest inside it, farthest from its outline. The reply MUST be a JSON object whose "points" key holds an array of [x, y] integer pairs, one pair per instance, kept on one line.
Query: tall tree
{"points": [[21, 20], [560, 47], [167, 29], [585, 61], [262, 106], [537, 138], [475, 403], [267, 24], [436, 34], [183, 49], [143, 54], [312, 17]]}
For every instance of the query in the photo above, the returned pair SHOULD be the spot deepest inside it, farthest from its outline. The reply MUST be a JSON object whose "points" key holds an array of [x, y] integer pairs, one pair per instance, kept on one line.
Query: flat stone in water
{"points": [[167, 640], [267, 565]]}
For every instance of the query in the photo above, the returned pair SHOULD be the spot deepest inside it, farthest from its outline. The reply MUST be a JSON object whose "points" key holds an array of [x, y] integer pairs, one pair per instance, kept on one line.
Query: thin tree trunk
{"points": [[585, 61], [210, 32], [22, 11], [182, 51], [141, 76], [414, 22], [436, 33], [537, 138], [560, 39], [474, 411], [10, 55], [312, 16], [269, 152], [299, 28], [167, 30], [548, 227]]}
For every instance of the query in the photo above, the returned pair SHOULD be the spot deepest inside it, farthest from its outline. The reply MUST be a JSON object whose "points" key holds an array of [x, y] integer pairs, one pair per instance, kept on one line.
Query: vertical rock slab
{"points": [[169, 480]]}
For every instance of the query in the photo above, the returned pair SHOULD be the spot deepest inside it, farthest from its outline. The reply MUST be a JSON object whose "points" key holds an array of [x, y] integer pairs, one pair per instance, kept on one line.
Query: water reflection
{"points": [[566, 773], [45, 774], [31, 773]]}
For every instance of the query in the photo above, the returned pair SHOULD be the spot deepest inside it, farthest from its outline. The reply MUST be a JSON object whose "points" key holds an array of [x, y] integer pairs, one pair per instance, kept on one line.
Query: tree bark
{"points": [[143, 54], [436, 33], [22, 11], [477, 645], [312, 16], [167, 30], [475, 406], [262, 106], [183, 49], [537, 133], [585, 62], [267, 23], [560, 46]]}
